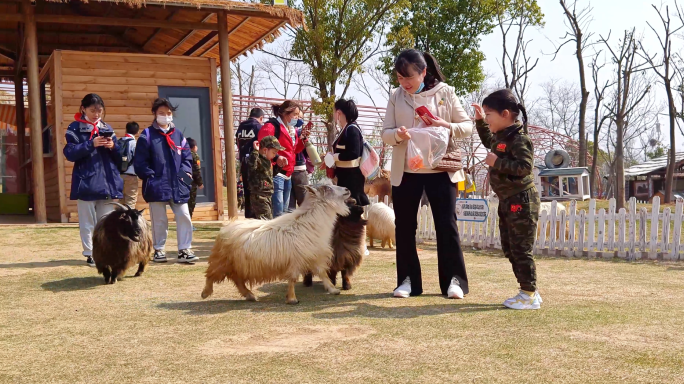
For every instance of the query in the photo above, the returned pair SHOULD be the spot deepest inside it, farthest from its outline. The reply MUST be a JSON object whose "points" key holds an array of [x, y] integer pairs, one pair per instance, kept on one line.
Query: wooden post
{"points": [[38, 177], [228, 135], [21, 131]]}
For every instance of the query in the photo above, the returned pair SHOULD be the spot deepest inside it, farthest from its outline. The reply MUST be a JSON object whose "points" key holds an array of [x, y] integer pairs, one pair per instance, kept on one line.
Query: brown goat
{"points": [[380, 186], [348, 240], [121, 239]]}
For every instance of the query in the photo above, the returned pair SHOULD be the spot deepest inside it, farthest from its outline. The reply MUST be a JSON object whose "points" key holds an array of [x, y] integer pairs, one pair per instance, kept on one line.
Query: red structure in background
{"points": [[371, 119]]}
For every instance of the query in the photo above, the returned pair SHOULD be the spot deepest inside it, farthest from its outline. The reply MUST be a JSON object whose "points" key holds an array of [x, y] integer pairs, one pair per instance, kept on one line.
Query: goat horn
{"points": [[125, 207]]}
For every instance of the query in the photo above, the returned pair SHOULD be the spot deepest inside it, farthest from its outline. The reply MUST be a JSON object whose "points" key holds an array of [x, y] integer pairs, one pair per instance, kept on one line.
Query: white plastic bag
{"points": [[426, 147]]}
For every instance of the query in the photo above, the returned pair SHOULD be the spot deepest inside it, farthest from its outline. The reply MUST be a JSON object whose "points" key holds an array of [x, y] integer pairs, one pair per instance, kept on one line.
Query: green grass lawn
{"points": [[601, 322]]}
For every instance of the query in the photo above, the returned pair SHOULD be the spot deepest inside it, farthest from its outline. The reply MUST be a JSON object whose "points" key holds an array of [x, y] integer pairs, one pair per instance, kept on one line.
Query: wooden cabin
{"points": [[129, 53]]}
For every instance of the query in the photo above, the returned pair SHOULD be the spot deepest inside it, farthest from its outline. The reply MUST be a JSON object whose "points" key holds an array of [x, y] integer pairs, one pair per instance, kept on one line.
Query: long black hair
{"points": [[348, 107], [92, 99], [413, 59], [504, 99]]}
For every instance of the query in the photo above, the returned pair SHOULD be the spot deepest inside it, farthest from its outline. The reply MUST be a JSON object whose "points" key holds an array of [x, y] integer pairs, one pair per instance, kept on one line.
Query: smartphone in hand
{"points": [[107, 134], [423, 112]]}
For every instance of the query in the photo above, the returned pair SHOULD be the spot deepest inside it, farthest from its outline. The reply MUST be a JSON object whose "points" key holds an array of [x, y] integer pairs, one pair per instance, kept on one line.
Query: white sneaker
{"points": [[538, 297], [455, 291], [523, 301], [404, 290]]}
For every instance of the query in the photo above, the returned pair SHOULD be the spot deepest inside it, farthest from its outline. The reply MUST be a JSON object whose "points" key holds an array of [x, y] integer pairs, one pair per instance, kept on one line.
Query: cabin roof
{"points": [[250, 26], [552, 172], [652, 166]]}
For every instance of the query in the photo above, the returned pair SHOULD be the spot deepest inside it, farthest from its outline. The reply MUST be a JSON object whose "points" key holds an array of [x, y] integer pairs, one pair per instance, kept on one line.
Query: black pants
{"points": [[441, 194], [299, 180], [245, 184]]}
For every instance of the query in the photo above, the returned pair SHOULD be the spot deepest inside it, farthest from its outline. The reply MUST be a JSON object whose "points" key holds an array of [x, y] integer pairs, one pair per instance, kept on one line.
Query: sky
{"points": [[608, 16]]}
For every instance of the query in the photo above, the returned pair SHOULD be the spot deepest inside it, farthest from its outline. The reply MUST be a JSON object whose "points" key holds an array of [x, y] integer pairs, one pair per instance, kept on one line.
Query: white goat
{"points": [[256, 251], [381, 224]]}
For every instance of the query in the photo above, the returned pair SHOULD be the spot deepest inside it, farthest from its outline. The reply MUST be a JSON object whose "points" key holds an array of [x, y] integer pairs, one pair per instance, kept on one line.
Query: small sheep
{"points": [[121, 239], [380, 186], [348, 240], [257, 251], [381, 224]]}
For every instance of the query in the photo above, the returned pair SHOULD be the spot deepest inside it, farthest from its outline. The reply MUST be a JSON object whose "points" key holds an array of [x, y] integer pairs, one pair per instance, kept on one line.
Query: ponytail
{"points": [[433, 73], [524, 116], [504, 99]]}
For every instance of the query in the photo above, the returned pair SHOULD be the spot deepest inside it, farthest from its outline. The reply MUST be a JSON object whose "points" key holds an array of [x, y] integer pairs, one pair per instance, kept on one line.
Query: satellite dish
{"points": [[557, 158]]}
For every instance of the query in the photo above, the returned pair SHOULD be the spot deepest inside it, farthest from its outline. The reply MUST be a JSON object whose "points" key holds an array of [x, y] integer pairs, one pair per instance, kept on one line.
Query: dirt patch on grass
{"points": [[285, 340]]}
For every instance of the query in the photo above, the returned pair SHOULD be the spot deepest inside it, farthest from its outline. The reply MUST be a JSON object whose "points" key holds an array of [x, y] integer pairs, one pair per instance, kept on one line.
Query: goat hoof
{"points": [[106, 280], [251, 297], [346, 287], [292, 301], [112, 281], [334, 291], [138, 274]]}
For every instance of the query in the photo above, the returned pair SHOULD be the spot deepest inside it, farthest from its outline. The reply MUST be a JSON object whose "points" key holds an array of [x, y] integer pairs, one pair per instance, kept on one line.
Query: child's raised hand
{"points": [[491, 159], [282, 161], [256, 145], [99, 141], [479, 112]]}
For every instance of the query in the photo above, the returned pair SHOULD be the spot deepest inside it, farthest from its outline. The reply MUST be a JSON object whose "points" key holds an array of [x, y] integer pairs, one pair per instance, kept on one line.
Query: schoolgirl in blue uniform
{"points": [[93, 148]]}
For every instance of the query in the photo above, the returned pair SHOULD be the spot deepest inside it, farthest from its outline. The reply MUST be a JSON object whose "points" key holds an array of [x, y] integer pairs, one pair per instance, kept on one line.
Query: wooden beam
{"points": [[187, 36], [111, 21], [235, 28], [277, 27], [228, 133], [204, 41], [38, 176], [8, 53], [21, 130], [76, 8], [156, 32], [21, 49]]}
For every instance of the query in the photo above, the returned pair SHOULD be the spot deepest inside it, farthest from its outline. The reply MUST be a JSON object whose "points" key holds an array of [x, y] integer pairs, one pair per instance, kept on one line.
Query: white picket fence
{"points": [[629, 234]]}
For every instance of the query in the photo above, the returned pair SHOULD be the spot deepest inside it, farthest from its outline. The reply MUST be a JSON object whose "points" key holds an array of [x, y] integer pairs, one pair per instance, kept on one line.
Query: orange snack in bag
{"points": [[415, 163]]}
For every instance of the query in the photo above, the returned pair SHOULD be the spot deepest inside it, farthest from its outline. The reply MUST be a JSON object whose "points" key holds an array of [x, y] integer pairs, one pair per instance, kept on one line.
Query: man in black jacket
{"points": [[245, 137]]}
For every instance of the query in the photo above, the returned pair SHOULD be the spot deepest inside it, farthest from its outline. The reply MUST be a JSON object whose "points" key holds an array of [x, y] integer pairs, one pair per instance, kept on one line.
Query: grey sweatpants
{"points": [[89, 213], [160, 225]]}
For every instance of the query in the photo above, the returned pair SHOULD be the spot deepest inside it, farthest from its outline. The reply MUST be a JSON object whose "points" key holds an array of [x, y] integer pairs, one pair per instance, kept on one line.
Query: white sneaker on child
{"points": [[455, 291], [523, 301], [404, 290]]}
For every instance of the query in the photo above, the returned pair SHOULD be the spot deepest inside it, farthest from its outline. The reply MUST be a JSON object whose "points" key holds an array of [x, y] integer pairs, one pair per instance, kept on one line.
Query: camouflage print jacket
{"points": [[260, 174], [196, 170], [512, 171]]}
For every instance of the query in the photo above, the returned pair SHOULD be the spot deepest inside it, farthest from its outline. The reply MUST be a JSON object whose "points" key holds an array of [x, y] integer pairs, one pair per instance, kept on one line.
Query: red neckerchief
{"points": [[129, 135], [170, 141], [95, 130]]}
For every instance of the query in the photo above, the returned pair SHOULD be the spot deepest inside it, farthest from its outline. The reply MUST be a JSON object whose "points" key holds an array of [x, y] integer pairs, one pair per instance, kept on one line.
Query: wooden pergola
{"points": [[31, 30]]}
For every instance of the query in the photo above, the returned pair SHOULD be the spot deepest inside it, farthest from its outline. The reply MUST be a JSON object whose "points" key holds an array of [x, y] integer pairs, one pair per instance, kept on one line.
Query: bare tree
{"points": [[628, 93], [516, 65], [287, 76], [662, 67], [578, 22], [601, 114], [559, 109]]}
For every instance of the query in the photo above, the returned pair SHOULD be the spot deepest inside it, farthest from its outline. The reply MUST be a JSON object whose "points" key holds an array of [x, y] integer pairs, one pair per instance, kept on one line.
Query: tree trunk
{"points": [[620, 163], [669, 175], [594, 166]]}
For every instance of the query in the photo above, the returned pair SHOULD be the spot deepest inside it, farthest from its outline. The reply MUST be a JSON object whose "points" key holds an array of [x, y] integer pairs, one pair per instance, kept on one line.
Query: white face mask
{"points": [[164, 120], [292, 122]]}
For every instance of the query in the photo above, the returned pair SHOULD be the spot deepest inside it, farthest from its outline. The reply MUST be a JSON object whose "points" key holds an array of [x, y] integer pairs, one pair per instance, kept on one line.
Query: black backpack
{"points": [[123, 152]]}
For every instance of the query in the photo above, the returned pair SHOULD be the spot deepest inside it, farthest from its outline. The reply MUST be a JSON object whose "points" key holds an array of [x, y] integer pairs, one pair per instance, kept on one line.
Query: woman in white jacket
{"points": [[422, 84]]}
